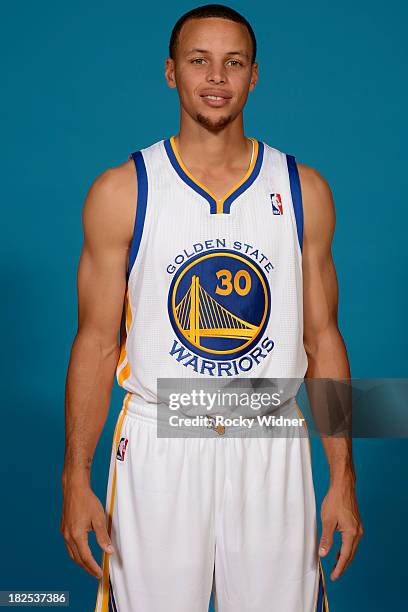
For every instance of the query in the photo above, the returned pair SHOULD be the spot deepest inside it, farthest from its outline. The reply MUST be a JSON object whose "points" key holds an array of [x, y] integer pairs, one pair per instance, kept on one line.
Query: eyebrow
{"points": [[195, 50]]}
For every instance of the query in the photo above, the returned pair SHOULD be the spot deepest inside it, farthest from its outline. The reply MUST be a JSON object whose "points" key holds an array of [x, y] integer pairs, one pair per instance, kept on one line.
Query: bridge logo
{"points": [[219, 304]]}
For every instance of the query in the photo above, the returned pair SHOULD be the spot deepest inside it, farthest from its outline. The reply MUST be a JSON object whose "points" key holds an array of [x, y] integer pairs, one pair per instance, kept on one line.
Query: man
{"points": [[216, 249]]}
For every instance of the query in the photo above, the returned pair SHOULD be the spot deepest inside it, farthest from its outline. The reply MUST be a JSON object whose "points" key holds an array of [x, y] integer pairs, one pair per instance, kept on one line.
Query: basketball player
{"points": [[213, 215]]}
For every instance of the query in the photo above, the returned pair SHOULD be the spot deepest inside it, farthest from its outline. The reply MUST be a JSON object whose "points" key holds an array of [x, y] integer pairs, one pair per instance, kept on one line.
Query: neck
{"points": [[200, 147]]}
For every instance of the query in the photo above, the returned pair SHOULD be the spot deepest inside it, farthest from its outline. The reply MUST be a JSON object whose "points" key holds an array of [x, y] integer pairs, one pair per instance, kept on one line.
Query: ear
{"points": [[254, 76], [170, 73]]}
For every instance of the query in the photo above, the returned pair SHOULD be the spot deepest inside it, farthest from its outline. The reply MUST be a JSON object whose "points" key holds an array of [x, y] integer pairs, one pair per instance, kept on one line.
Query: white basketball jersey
{"points": [[214, 285]]}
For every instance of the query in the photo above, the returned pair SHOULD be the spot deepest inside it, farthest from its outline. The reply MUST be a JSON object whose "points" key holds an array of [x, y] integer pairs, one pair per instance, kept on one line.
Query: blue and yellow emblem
{"points": [[219, 304]]}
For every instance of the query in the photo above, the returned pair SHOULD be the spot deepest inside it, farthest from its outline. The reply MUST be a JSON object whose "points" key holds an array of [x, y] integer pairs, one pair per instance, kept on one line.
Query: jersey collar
{"points": [[217, 205]]}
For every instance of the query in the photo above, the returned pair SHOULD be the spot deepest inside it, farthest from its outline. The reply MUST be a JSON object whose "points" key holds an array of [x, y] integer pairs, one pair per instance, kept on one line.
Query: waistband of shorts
{"points": [[158, 415], [139, 408]]}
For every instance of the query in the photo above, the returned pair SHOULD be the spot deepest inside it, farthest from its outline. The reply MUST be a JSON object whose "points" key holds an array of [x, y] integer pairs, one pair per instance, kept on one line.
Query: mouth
{"points": [[215, 100]]}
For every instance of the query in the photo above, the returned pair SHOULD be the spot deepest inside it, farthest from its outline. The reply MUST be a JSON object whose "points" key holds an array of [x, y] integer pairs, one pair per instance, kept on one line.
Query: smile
{"points": [[215, 100]]}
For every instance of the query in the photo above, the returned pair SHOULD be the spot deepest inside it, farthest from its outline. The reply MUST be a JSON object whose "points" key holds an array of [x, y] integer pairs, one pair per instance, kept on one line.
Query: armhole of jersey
{"points": [[296, 192], [141, 206]]}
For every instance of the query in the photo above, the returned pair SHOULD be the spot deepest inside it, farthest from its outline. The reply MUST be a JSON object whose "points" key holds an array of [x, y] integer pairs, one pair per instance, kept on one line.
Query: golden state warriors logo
{"points": [[219, 304]]}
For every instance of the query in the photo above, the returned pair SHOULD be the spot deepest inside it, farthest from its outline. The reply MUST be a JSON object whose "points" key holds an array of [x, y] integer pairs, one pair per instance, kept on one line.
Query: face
{"points": [[212, 70]]}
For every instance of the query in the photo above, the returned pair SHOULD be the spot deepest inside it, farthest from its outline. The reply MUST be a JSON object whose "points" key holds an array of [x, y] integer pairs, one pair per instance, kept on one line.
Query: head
{"points": [[211, 62]]}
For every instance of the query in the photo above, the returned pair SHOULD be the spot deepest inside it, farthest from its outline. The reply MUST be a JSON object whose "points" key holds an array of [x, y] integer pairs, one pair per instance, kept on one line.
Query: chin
{"points": [[214, 124]]}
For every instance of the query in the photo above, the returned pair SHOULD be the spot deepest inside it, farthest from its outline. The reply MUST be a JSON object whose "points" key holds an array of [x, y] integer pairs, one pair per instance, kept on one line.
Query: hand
{"points": [[340, 511], [83, 512]]}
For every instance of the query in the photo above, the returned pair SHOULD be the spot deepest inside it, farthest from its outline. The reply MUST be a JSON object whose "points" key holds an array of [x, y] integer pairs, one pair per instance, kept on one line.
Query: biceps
{"points": [[101, 290]]}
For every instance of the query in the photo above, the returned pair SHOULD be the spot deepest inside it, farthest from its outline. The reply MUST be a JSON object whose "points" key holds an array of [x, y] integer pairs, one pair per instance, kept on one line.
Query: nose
{"points": [[216, 74]]}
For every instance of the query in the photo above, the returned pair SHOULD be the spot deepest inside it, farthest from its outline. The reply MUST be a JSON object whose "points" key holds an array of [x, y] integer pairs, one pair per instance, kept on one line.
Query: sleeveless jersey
{"points": [[214, 286]]}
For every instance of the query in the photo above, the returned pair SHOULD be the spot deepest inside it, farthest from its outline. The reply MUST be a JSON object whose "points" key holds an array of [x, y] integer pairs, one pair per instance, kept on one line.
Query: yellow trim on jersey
{"points": [[324, 587], [325, 605], [128, 312], [219, 201], [123, 373], [104, 582]]}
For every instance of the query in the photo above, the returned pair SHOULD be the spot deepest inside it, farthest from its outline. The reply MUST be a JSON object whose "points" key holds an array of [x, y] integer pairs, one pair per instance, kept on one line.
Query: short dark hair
{"points": [[210, 10]]}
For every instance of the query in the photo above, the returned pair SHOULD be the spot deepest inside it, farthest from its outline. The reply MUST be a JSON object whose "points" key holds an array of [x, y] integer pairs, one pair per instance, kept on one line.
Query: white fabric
{"points": [[184, 506], [178, 218]]}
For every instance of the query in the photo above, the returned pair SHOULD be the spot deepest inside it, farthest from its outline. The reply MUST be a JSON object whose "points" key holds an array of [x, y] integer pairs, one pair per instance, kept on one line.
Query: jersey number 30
{"points": [[241, 282]]}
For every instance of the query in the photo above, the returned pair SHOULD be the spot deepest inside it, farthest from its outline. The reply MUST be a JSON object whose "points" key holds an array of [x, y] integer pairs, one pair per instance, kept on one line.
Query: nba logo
{"points": [[277, 207], [121, 449]]}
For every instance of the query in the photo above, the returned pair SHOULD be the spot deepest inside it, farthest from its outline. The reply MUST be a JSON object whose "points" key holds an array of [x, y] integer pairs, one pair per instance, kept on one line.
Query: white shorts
{"points": [[187, 516]]}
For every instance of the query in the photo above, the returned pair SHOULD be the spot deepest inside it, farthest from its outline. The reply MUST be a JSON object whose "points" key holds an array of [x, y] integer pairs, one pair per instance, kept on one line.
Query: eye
{"points": [[198, 60], [234, 62]]}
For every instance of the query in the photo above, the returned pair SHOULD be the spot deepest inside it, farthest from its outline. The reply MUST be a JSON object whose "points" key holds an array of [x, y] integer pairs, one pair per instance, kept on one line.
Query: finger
{"points": [[70, 551], [351, 557], [85, 555], [345, 552], [356, 542], [65, 535], [77, 557], [337, 558], [102, 535], [326, 539]]}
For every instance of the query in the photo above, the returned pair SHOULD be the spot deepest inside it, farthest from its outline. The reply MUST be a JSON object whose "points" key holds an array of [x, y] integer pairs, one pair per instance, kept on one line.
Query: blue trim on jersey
{"points": [[187, 179], [249, 181], [212, 202], [111, 599], [142, 190], [296, 196]]}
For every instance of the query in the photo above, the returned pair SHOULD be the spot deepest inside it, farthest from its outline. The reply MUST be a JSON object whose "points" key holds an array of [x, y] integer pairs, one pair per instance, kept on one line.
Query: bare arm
{"points": [[108, 218], [327, 358]]}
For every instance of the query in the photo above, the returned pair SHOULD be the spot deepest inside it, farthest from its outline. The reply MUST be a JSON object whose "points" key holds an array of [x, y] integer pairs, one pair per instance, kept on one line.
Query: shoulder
{"points": [[313, 183], [110, 204], [115, 182]]}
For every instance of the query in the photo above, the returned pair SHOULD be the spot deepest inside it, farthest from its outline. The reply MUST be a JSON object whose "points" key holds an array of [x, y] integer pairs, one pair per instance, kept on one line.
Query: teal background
{"points": [[83, 86]]}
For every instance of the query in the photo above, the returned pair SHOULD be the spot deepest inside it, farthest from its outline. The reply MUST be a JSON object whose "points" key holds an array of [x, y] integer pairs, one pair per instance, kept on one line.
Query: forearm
{"points": [[331, 403], [326, 354], [340, 459], [87, 396]]}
